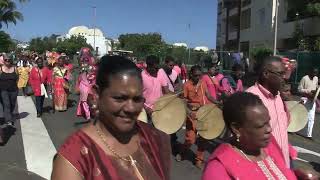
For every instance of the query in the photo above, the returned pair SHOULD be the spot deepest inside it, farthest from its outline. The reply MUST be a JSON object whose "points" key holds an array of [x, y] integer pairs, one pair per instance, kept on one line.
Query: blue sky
{"points": [[115, 17]]}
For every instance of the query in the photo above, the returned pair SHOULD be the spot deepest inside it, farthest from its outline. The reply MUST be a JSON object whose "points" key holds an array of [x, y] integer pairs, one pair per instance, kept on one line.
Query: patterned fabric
{"points": [[23, 76], [60, 94], [227, 163], [93, 163]]}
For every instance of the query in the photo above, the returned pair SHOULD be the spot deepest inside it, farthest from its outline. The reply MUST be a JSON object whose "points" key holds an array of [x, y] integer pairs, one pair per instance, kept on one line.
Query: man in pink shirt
{"points": [[172, 77], [154, 83], [271, 77]]}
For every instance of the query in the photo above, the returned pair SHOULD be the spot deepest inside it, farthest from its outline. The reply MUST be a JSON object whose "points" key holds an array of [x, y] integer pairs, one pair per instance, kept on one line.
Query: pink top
{"points": [[226, 163], [152, 87], [177, 69], [37, 77], [212, 84], [173, 76], [279, 117]]}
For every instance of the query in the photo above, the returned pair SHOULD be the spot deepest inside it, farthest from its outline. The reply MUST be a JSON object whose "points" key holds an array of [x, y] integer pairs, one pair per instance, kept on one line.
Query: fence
{"points": [[305, 61]]}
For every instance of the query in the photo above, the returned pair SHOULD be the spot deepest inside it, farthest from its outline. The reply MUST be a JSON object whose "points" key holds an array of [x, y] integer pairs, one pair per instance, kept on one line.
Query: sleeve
{"points": [[162, 78], [215, 170], [301, 87], [71, 152], [206, 80]]}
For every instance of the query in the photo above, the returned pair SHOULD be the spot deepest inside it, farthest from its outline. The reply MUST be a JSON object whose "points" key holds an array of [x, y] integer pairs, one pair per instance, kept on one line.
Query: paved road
{"points": [[36, 141]]}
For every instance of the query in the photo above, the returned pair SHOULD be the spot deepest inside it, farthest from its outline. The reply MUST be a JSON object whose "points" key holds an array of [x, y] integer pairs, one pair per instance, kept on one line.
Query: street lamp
{"points": [[275, 28]]}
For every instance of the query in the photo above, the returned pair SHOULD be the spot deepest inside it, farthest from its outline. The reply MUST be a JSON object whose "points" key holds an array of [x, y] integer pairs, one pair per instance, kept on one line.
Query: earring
{"points": [[238, 138]]}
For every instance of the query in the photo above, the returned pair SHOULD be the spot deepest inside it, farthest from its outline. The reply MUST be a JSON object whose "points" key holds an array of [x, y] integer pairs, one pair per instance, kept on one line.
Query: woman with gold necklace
{"points": [[253, 153], [116, 146]]}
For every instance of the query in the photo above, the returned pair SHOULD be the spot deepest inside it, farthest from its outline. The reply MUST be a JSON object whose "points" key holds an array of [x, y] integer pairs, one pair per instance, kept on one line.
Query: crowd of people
{"points": [[114, 91]]}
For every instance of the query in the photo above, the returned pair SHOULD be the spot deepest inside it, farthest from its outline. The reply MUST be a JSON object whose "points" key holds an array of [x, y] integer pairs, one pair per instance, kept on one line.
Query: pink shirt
{"points": [[152, 87], [177, 69], [209, 81], [279, 118], [173, 76]]}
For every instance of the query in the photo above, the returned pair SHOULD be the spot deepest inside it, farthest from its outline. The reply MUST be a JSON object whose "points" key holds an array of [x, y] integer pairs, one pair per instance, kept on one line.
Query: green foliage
{"points": [[314, 8], [260, 53], [143, 44], [6, 43], [41, 45], [71, 45], [9, 13], [317, 44]]}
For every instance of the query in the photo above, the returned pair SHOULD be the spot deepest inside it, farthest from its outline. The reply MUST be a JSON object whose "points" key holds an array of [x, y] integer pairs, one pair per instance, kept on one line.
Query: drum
{"points": [[143, 116], [210, 123], [169, 113], [298, 116]]}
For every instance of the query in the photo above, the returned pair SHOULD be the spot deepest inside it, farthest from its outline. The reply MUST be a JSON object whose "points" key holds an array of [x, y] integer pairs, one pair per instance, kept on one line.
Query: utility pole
{"points": [[276, 28], [94, 27]]}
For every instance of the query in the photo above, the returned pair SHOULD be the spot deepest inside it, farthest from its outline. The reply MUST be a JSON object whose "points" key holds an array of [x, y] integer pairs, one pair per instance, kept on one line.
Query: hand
{"points": [[306, 174], [149, 111]]}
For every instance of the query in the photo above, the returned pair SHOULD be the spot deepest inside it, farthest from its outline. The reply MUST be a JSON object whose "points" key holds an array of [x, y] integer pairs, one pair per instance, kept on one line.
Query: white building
{"points": [[180, 45], [95, 38], [202, 48], [257, 25]]}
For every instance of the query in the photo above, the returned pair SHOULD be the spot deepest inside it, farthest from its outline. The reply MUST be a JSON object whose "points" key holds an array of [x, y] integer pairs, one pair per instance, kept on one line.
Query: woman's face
{"points": [[121, 103], [7, 62], [212, 71], [60, 62], [255, 131]]}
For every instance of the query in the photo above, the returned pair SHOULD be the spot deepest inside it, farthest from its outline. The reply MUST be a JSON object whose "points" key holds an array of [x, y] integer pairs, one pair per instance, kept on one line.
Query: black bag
{"points": [[29, 91]]}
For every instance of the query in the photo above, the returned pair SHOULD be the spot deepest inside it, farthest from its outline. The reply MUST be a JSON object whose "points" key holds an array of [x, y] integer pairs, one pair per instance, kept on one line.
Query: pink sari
{"points": [[226, 164], [85, 88]]}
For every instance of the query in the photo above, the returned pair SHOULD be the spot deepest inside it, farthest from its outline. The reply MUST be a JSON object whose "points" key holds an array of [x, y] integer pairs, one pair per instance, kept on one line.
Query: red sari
{"points": [[92, 163], [37, 77]]}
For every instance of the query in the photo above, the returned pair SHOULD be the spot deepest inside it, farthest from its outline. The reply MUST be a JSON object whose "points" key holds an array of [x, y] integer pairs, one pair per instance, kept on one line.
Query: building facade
{"points": [[251, 23], [94, 37]]}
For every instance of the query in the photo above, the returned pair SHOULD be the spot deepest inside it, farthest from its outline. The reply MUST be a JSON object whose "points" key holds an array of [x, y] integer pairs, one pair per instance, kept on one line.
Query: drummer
{"points": [[271, 78], [154, 83], [196, 94]]}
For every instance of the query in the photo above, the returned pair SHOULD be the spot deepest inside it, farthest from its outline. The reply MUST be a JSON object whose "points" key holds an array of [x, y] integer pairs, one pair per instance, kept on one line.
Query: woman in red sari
{"points": [[116, 146]]}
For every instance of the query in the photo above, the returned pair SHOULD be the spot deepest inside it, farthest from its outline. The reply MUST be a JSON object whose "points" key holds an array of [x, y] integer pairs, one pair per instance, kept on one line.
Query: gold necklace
{"points": [[130, 159]]}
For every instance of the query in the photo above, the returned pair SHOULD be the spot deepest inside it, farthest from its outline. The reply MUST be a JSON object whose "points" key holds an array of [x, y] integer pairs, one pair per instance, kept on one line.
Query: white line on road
{"points": [[38, 147], [306, 151]]}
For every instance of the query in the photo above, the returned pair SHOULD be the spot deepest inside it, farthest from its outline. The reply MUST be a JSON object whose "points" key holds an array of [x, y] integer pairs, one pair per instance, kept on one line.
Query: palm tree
{"points": [[9, 13]]}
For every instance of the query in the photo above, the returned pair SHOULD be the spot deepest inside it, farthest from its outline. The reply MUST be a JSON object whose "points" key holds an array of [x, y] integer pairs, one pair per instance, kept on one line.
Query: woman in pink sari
{"points": [[253, 153], [116, 146], [84, 84]]}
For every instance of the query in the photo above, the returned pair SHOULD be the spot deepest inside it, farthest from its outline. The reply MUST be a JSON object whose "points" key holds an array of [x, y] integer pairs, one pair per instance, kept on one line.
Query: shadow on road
{"points": [[5, 134], [316, 166]]}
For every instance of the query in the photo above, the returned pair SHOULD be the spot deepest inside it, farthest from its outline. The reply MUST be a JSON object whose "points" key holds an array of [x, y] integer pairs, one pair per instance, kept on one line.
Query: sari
{"points": [[226, 163], [92, 163], [60, 94], [84, 86], [23, 76]]}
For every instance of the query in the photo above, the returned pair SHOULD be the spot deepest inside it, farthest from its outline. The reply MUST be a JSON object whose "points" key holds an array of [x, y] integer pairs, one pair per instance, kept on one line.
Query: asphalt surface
{"points": [[14, 164]]}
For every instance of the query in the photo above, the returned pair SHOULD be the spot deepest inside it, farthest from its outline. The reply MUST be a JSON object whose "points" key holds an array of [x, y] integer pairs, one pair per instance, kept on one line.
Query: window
{"points": [[245, 19], [220, 8], [262, 16]]}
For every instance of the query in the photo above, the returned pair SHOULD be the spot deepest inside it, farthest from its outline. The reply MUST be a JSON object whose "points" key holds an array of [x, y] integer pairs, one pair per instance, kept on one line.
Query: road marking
{"points": [[306, 151], [302, 160], [38, 147]]}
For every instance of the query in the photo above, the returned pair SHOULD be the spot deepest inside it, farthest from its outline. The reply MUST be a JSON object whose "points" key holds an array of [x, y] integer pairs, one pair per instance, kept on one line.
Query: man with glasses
{"points": [[307, 88], [271, 78]]}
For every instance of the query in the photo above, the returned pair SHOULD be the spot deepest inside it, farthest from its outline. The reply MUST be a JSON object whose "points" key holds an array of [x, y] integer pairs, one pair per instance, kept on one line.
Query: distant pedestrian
{"points": [[9, 89], [23, 72], [307, 88], [39, 79], [60, 85]]}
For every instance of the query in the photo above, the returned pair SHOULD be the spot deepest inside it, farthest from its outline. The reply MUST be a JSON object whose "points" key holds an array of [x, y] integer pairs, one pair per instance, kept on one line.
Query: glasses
{"points": [[279, 74]]}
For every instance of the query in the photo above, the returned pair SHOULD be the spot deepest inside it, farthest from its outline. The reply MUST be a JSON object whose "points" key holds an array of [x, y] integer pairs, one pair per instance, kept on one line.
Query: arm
{"points": [[301, 88], [210, 98], [62, 169], [165, 89]]}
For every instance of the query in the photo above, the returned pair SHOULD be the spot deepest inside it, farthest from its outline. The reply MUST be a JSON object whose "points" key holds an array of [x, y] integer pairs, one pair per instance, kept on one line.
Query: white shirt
{"points": [[307, 85]]}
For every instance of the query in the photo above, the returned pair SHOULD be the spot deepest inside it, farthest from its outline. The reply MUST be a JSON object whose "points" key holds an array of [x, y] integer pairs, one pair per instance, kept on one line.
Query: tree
{"points": [[313, 7], [143, 44], [9, 13], [6, 42], [72, 45]]}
